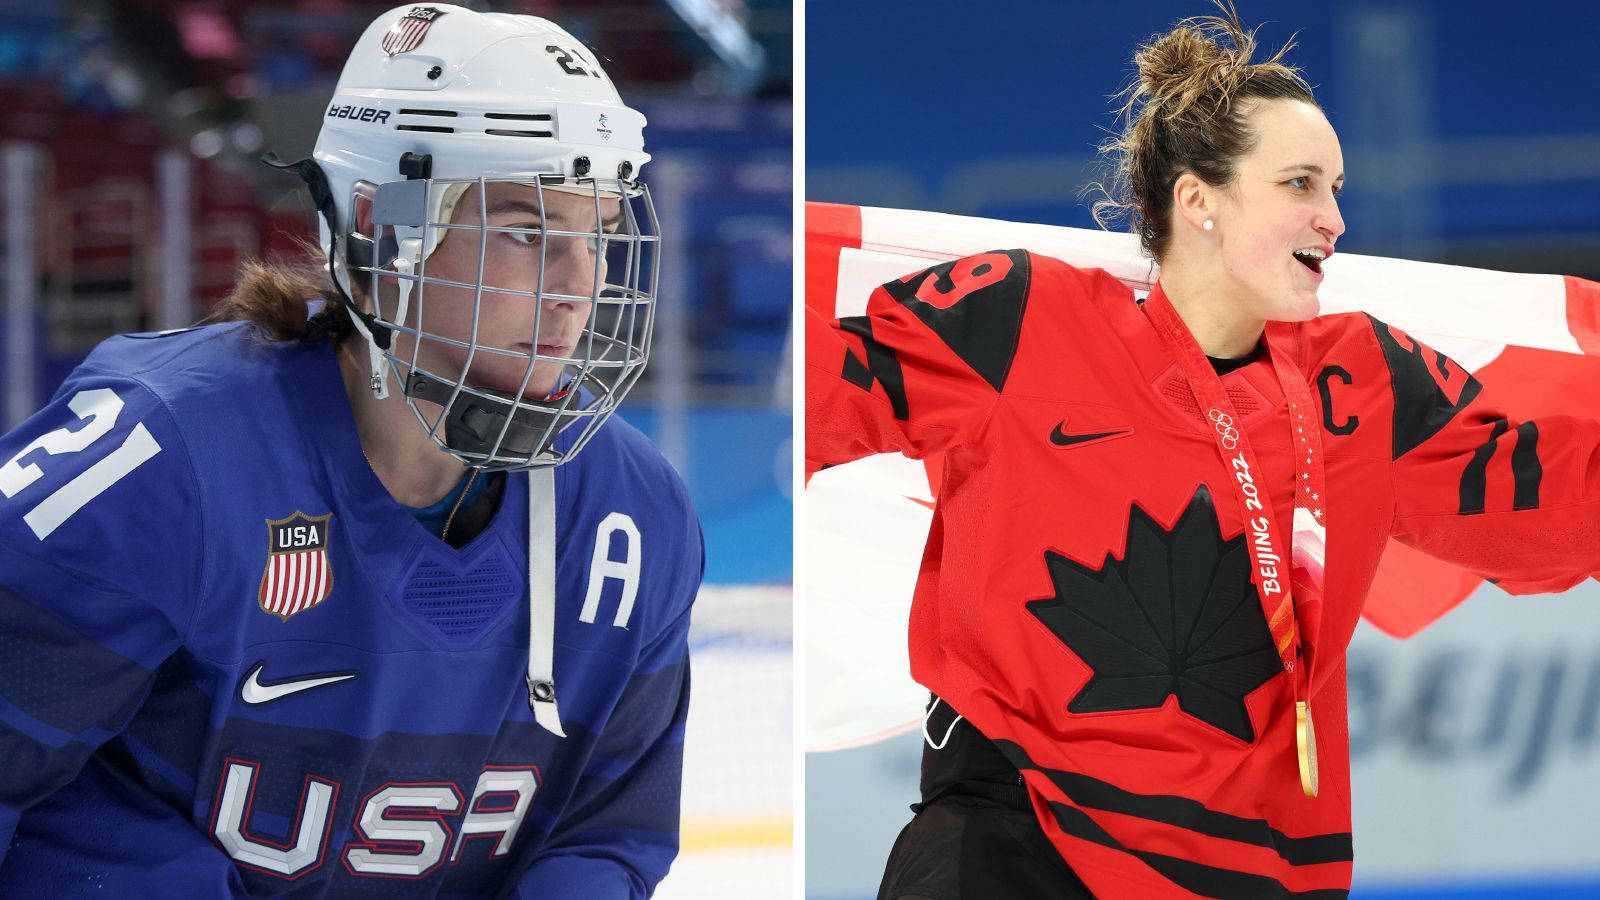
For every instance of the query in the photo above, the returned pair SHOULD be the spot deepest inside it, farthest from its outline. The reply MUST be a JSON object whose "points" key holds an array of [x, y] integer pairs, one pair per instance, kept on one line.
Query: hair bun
{"points": [[1189, 63]]}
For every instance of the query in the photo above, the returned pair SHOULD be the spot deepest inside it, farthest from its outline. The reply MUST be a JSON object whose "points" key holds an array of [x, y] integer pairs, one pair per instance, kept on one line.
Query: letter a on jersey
{"points": [[297, 576]]}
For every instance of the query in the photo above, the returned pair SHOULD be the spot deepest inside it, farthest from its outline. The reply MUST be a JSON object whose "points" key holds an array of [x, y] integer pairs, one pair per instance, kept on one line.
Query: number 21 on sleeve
{"points": [[99, 408]]}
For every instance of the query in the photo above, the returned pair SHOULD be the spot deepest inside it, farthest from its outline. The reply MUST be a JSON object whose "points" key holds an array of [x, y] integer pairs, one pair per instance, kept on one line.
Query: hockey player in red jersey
{"points": [[1157, 520]]}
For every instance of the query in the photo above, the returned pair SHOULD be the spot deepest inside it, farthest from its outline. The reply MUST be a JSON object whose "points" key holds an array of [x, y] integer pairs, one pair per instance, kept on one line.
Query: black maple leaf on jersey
{"points": [[1177, 615]]}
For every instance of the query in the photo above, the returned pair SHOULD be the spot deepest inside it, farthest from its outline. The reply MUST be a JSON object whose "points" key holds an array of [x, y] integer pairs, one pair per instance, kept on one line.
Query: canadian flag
{"points": [[1533, 340]]}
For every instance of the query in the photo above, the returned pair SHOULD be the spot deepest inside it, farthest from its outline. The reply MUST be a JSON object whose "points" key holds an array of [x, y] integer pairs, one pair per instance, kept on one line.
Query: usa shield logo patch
{"points": [[406, 35], [297, 576]]}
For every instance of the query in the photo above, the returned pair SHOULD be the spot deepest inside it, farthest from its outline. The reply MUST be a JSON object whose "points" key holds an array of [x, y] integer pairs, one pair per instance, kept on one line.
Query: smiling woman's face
{"points": [[550, 328], [1282, 201]]}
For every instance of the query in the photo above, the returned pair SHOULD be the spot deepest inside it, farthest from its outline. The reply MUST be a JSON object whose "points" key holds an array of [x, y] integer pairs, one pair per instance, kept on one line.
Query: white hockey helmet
{"points": [[435, 100]]}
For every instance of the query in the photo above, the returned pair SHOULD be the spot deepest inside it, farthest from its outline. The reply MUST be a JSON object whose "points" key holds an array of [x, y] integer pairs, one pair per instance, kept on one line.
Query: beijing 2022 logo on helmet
{"points": [[406, 35]]}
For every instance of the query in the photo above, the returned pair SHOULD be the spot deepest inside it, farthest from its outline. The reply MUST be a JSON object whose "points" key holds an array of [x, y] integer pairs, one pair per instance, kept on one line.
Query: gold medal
{"points": [[1305, 737]]}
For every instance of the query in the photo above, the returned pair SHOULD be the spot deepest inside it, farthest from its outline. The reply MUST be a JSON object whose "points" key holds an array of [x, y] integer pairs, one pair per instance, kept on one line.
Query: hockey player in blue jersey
{"points": [[323, 600]]}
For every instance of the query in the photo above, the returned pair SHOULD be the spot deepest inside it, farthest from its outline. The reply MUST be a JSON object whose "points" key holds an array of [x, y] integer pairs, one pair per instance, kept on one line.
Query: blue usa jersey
{"points": [[232, 664]]}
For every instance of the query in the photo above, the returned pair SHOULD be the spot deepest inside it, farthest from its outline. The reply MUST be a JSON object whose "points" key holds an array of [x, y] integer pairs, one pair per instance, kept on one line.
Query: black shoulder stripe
{"points": [[1526, 472], [1475, 477], [1421, 406], [856, 371], [1182, 812], [1525, 467], [881, 365], [975, 305]]}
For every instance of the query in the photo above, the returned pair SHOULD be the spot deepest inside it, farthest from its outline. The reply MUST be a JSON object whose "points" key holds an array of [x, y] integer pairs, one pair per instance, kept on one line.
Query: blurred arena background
{"points": [[1471, 135], [131, 190]]}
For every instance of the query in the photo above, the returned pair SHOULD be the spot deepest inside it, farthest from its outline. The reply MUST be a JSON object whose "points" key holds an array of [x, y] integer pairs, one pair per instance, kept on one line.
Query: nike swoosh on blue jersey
{"points": [[254, 691]]}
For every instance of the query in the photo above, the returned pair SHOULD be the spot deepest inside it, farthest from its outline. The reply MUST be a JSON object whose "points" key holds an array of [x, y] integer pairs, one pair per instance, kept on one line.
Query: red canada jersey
{"points": [[1085, 597]]}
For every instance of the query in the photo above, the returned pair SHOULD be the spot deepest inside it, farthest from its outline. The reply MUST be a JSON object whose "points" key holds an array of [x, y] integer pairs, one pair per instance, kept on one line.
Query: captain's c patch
{"points": [[297, 576]]}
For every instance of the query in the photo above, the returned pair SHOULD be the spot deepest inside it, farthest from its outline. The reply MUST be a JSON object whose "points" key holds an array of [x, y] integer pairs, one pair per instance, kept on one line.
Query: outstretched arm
{"points": [[1516, 501], [921, 368]]}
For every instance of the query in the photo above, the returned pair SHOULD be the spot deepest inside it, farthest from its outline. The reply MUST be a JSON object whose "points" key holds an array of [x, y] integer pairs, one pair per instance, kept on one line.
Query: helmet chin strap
{"points": [[541, 679], [403, 266], [375, 360]]}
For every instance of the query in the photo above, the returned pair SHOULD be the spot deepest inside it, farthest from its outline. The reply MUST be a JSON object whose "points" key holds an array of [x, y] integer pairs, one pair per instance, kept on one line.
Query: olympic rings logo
{"points": [[1223, 423]]}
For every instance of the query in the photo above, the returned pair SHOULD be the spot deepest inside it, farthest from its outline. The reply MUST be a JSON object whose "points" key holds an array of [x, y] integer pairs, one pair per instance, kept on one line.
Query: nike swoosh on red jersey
{"points": [[253, 691], [1062, 439]]}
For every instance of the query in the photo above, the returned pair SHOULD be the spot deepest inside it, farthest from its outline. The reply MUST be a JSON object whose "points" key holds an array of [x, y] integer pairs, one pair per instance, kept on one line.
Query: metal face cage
{"points": [[490, 359]]}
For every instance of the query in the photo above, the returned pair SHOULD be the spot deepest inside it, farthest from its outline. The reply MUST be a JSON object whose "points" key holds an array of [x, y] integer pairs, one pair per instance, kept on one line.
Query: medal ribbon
{"points": [[1284, 590]]}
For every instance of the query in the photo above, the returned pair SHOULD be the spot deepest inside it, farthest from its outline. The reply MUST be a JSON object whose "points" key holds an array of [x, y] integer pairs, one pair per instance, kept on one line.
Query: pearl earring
{"points": [[1208, 224]]}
